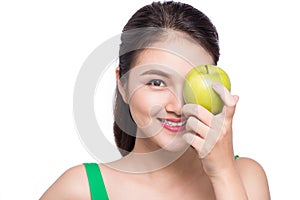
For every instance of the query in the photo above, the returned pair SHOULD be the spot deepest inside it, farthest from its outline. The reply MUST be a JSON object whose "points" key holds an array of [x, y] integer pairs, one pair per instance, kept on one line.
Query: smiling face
{"points": [[154, 91]]}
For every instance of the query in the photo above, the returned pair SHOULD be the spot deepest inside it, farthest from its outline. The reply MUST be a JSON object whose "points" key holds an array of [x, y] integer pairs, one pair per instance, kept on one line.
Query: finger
{"points": [[223, 93], [228, 111], [194, 125], [229, 100], [209, 143], [236, 98], [198, 112], [194, 141]]}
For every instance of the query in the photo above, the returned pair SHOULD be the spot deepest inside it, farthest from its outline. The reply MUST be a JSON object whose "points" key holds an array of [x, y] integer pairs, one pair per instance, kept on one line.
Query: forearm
{"points": [[228, 185]]}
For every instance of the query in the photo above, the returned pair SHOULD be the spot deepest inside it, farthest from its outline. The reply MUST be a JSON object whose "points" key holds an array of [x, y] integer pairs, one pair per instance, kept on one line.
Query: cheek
{"points": [[144, 105], [139, 111]]}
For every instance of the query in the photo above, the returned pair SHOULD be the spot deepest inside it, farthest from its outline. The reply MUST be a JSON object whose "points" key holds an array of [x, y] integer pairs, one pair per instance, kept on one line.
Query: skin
{"points": [[216, 176]]}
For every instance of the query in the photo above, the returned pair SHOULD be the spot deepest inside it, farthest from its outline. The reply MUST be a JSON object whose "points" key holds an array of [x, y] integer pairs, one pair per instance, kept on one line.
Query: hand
{"points": [[211, 135]]}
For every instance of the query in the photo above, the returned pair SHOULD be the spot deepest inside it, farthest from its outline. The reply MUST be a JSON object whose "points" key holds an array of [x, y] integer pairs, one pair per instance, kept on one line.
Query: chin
{"points": [[176, 144]]}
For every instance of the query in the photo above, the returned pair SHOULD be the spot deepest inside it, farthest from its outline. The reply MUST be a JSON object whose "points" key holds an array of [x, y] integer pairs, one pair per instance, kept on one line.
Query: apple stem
{"points": [[206, 69]]}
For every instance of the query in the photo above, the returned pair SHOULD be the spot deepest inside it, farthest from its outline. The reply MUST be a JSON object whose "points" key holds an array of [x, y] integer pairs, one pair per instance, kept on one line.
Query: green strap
{"points": [[236, 157], [97, 187]]}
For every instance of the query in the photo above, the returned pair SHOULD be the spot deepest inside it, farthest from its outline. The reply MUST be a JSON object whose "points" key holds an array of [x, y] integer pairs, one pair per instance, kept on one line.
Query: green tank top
{"points": [[97, 187]]}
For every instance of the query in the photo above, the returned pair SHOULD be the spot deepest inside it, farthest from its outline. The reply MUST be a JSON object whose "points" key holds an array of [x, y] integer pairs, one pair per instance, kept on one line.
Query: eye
{"points": [[156, 83]]}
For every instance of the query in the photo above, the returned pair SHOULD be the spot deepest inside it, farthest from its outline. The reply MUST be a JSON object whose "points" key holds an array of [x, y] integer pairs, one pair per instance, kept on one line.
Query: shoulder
{"points": [[248, 166], [253, 177], [72, 184]]}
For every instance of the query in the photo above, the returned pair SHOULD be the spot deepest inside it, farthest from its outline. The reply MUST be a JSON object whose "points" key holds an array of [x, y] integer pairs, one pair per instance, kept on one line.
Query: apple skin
{"points": [[198, 89]]}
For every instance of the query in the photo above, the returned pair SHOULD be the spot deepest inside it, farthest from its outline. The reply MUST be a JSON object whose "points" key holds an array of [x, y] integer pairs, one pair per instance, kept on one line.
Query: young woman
{"points": [[171, 150]]}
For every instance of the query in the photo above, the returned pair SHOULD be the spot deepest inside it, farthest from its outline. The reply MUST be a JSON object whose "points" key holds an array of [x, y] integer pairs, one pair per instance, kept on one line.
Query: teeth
{"points": [[173, 123]]}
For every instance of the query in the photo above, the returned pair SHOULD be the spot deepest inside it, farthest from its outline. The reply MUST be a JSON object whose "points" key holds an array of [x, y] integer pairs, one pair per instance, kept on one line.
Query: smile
{"points": [[173, 124]]}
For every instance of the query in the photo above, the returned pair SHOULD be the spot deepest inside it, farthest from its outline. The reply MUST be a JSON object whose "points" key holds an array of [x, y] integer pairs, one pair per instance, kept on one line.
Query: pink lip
{"points": [[174, 128], [175, 119]]}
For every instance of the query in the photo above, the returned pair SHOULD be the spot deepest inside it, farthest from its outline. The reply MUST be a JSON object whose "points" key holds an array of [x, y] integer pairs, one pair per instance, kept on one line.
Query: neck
{"points": [[187, 165], [161, 162], [156, 159], [184, 172]]}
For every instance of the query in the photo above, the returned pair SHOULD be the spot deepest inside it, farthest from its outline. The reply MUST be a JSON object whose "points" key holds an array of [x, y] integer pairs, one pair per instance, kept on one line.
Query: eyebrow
{"points": [[156, 72]]}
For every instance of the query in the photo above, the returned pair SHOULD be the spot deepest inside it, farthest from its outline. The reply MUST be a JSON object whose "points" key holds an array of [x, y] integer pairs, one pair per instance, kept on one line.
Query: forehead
{"points": [[179, 54]]}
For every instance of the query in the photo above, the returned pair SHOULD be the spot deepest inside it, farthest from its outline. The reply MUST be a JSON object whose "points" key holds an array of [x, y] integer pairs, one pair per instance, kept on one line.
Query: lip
{"points": [[175, 119], [174, 129]]}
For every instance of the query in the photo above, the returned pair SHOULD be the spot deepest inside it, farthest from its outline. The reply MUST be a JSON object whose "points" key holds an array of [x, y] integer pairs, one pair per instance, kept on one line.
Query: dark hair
{"points": [[147, 26]]}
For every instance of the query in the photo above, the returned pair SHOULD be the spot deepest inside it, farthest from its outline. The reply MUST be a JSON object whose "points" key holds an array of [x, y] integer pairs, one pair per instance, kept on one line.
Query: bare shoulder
{"points": [[254, 178], [249, 167], [72, 184]]}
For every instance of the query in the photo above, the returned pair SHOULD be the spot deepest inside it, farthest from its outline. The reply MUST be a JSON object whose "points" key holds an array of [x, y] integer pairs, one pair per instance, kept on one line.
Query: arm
{"points": [[228, 185], [247, 180], [211, 136], [72, 184]]}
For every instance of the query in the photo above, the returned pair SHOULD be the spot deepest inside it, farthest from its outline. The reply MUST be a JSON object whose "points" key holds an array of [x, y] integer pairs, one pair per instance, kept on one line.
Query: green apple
{"points": [[198, 87]]}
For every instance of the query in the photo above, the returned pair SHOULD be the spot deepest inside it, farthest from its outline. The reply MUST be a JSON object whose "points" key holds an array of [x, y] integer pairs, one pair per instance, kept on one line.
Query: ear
{"points": [[121, 87]]}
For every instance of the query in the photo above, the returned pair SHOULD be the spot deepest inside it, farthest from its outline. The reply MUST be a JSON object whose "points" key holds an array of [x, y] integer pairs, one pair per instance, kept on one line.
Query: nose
{"points": [[175, 102]]}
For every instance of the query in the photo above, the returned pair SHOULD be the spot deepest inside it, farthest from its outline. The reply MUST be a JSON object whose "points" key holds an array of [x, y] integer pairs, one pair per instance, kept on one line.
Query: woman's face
{"points": [[154, 92]]}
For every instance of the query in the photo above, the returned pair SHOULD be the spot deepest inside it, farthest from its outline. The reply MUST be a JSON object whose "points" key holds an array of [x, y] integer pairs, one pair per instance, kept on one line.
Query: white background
{"points": [[44, 43]]}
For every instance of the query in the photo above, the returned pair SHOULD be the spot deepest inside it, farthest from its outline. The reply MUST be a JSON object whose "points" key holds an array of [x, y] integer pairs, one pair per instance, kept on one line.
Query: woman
{"points": [[171, 150]]}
